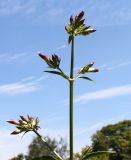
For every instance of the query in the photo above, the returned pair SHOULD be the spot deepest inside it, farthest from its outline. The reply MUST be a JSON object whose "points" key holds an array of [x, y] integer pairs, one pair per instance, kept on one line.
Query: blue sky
{"points": [[31, 26]]}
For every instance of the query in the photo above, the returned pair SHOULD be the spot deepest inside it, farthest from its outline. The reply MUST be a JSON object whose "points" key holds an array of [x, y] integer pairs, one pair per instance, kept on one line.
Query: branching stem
{"points": [[43, 140]]}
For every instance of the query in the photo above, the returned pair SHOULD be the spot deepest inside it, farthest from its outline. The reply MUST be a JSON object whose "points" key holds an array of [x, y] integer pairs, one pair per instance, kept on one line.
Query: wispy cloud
{"points": [[41, 78], [10, 57], [16, 56], [10, 7], [107, 14], [26, 85], [123, 64], [17, 88], [61, 47], [2, 56], [102, 13], [104, 94], [28, 78], [83, 135], [93, 128], [117, 65]]}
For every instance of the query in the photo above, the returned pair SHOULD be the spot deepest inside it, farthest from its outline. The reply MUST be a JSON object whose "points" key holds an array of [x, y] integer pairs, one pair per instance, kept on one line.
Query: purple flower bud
{"points": [[13, 122], [93, 70], [43, 56]]}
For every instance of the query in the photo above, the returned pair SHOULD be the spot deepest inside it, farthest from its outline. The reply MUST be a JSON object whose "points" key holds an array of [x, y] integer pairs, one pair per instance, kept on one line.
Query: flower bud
{"points": [[52, 62], [88, 68], [15, 122], [78, 27], [16, 132], [25, 124], [93, 70]]}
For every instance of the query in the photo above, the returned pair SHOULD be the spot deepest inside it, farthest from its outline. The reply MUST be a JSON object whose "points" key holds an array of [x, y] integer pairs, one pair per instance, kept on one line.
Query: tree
{"points": [[18, 157], [115, 137], [37, 149]]}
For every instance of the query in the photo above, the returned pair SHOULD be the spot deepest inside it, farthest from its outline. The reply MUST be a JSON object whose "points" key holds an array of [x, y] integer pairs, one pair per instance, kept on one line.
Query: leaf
{"points": [[87, 78], [53, 72], [58, 73], [45, 158], [69, 39], [95, 154]]}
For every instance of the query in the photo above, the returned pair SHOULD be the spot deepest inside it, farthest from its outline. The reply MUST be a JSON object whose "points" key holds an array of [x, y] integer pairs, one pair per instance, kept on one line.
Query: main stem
{"points": [[71, 98]]}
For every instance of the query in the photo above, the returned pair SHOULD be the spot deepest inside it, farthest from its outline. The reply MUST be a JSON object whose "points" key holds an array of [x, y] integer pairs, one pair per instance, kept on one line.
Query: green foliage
{"points": [[86, 78], [114, 137], [58, 73], [88, 154], [18, 157], [37, 149], [45, 158]]}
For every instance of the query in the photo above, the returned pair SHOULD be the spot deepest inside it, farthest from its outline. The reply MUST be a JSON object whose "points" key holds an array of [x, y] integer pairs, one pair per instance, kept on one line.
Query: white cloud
{"points": [[104, 94], [61, 47], [26, 85], [93, 128], [41, 78], [102, 13], [28, 78], [117, 66], [10, 57], [16, 56], [103, 66], [107, 14], [55, 11], [2, 56], [18, 88], [10, 7], [111, 66]]}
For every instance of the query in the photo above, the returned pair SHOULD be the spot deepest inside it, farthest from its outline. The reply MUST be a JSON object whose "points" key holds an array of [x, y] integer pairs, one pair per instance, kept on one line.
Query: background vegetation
{"points": [[111, 137]]}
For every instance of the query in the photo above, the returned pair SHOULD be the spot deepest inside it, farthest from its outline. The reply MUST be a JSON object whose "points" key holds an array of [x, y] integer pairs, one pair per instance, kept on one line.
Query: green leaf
{"points": [[69, 39], [87, 78], [53, 72], [45, 158], [95, 154], [58, 73]]}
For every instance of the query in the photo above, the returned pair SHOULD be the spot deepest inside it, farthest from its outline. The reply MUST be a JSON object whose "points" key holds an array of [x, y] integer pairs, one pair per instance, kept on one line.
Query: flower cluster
{"points": [[52, 62], [88, 68], [25, 124], [78, 27]]}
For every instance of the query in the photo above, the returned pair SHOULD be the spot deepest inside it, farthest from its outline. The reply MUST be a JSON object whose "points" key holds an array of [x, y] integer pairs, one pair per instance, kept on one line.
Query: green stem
{"points": [[71, 98], [43, 140]]}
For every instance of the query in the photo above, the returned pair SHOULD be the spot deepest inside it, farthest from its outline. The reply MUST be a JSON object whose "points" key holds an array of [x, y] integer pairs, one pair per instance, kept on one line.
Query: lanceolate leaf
{"points": [[87, 78], [58, 73], [53, 72], [96, 154], [45, 158], [69, 39]]}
